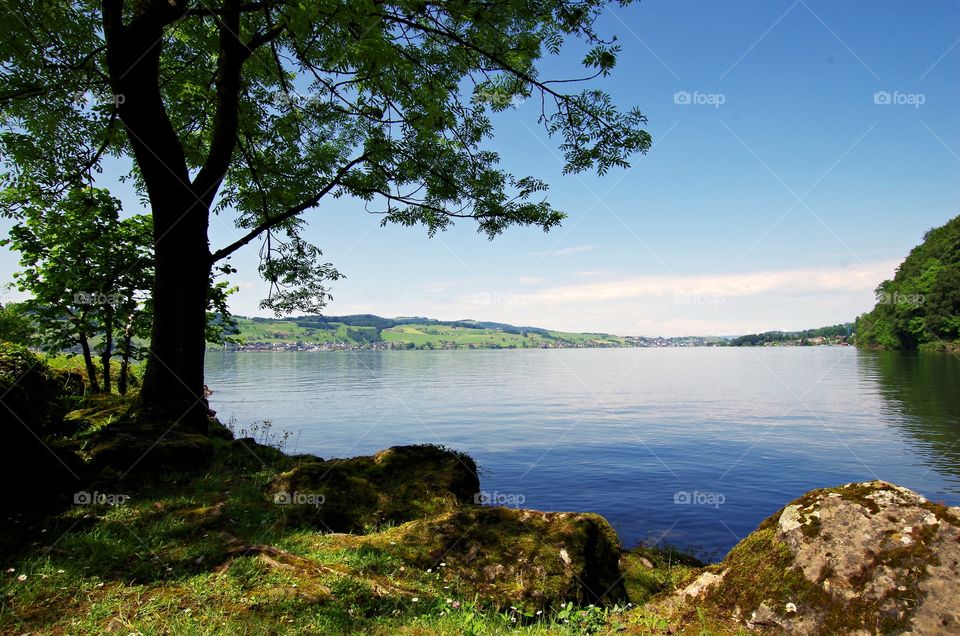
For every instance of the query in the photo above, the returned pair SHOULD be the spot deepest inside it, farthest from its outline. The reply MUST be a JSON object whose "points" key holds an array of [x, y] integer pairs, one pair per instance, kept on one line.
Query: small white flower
{"points": [[415, 599], [11, 570], [22, 577], [429, 570], [539, 612], [60, 571], [791, 608], [443, 565]]}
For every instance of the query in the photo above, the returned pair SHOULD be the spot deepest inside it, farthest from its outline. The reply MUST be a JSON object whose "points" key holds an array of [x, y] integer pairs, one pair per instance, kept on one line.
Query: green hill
{"points": [[920, 307], [374, 332]]}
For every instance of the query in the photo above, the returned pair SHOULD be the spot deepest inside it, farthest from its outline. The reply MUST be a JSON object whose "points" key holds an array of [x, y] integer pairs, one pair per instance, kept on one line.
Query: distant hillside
{"points": [[920, 307], [366, 331], [374, 332], [837, 334]]}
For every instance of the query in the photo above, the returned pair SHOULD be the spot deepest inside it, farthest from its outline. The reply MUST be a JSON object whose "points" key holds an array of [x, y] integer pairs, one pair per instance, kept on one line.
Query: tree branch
{"points": [[288, 214]]}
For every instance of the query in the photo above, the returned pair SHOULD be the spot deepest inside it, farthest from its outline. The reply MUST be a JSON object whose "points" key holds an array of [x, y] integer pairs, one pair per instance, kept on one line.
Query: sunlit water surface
{"points": [[693, 447]]}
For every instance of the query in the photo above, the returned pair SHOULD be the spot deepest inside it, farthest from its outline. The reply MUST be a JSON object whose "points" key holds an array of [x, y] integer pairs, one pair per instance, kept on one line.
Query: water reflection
{"points": [[922, 392]]}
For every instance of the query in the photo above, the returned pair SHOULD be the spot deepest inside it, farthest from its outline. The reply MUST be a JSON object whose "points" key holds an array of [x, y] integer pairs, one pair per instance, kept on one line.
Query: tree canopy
{"points": [[260, 109], [919, 308]]}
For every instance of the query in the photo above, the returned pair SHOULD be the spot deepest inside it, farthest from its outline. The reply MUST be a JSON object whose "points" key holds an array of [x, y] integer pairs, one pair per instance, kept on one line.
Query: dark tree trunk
{"points": [[88, 363], [172, 388], [173, 380], [125, 354], [107, 352]]}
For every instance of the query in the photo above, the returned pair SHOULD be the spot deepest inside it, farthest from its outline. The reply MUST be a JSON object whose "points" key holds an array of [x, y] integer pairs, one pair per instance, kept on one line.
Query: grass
{"points": [[209, 553]]}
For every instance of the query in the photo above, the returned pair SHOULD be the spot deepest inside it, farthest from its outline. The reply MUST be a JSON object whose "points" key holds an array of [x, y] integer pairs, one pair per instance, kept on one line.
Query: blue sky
{"points": [[818, 142]]}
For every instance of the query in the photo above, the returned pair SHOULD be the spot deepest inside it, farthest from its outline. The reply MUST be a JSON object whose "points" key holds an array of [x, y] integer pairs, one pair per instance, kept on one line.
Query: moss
{"points": [[514, 557], [98, 412], [648, 571], [364, 493]]}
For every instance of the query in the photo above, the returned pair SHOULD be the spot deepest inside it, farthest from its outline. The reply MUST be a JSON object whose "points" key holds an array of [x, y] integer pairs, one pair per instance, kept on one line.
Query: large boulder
{"points": [[864, 558], [523, 558], [358, 494]]}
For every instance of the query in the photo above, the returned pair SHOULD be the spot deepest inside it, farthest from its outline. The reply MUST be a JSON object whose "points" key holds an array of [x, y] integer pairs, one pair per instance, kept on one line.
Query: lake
{"points": [[691, 447]]}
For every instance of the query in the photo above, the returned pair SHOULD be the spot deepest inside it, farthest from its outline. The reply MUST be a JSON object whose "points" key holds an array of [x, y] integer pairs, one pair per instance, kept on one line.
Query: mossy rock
{"points": [[125, 452], [864, 558], [358, 494], [523, 558]]}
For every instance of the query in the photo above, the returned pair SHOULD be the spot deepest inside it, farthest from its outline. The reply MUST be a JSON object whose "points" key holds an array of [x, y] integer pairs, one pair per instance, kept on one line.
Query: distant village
{"points": [[628, 342]]}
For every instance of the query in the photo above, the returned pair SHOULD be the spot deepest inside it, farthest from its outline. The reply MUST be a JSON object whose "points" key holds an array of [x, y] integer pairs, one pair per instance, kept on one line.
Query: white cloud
{"points": [[854, 278], [701, 304]]}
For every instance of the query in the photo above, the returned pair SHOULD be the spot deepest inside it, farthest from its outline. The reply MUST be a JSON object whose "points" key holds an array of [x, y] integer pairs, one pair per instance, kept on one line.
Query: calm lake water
{"points": [[694, 447]]}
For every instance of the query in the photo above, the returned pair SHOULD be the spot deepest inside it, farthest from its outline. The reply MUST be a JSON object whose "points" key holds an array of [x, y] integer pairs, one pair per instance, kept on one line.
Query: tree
{"points": [[15, 324], [88, 271], [263, 108], [919, 308]]}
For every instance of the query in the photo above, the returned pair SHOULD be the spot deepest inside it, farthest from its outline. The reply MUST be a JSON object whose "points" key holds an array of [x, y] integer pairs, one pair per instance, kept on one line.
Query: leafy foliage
{"points": [[88, 270], [16, 326], [274, 105], [919, 308]]}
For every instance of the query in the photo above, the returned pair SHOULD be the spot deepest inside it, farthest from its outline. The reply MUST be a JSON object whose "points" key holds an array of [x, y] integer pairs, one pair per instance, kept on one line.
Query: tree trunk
{"points": [[125, 354], [173, 380], [172, 391], [88, 363], [107, 353]]}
